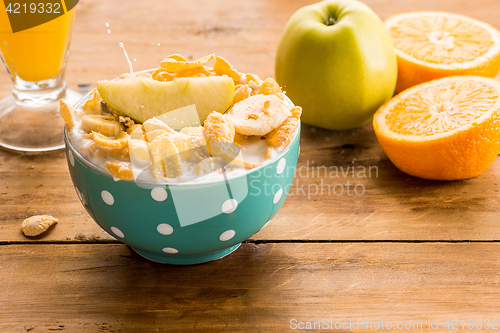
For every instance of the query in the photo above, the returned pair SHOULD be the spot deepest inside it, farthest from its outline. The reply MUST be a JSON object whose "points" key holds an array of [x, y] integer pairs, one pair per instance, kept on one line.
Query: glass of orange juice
{"points": [[34, 44]]}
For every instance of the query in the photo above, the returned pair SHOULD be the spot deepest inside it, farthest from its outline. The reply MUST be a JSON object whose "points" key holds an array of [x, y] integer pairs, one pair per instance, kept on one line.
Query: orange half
{"points": [[445, 129], [432, 45]]}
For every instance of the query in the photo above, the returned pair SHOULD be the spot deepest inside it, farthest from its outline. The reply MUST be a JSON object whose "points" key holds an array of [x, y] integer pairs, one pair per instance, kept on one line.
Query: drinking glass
{"points": [[35, 56]]}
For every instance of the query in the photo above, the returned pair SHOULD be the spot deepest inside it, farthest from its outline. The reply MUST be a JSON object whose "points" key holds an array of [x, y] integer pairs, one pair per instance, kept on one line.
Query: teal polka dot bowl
{"points": [[186, 223]]}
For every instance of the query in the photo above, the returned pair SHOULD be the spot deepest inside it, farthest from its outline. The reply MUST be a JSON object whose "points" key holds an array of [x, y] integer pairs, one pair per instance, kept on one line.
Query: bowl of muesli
{"points": [[189, 182]]}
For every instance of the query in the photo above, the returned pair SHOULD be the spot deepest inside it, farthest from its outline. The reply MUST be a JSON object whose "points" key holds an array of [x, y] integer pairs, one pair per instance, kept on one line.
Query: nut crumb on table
{"points": [[37, 224]]}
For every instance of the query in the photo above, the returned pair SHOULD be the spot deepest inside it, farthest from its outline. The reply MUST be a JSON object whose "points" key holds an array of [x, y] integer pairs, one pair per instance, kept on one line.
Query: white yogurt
{"points": [[253, 150]]}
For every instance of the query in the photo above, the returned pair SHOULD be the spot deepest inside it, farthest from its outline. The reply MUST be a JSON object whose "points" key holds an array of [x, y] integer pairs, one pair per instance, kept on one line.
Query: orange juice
{"points": [[37, 53]]}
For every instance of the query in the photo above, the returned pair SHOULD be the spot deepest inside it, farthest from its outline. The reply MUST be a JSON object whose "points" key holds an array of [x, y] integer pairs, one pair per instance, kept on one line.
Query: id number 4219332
{"points": [[464, 324], [32, 8]]}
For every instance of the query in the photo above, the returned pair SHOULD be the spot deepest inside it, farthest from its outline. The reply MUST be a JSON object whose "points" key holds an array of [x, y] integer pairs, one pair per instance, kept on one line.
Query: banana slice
{"points": [[181, 141], [151, 135], [226, 150], [106, 125], [156, 124], [139, 153], [258, 114], [183, 144], [204, 167], [165, 159], [140, 158], [136, 131], [196, 133]]}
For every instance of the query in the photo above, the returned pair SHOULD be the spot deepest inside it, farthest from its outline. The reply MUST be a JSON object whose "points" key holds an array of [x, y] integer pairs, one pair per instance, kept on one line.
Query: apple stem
{"points": [[330, 20]]}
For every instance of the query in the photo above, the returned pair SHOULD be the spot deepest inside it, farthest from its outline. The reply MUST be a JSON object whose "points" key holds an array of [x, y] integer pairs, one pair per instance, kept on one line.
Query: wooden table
{"points": [[406, 250]]}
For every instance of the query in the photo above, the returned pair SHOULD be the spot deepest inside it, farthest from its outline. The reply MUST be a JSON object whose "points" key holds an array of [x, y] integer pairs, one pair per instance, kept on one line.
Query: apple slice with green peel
{"points": [[142, 98]]}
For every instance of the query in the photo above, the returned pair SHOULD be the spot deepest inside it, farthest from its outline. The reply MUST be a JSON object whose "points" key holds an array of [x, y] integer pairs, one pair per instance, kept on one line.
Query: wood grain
{"points": [[393, 206], [245, 32], [259, 288], [380, 265]]}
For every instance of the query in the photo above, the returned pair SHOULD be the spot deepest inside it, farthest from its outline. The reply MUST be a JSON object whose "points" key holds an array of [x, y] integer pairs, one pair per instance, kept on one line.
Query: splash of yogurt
{"points": [[128, 59]]}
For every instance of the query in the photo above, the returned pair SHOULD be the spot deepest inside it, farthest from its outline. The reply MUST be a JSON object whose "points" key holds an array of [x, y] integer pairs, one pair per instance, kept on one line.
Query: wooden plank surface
{"points": [[393, 206], [386, 261], [246, 32], [259, 288]]}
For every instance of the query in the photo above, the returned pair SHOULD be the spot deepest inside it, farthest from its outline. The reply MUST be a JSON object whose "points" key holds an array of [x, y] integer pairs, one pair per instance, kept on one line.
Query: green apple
{"points": [[337, 61], [142, 98]]}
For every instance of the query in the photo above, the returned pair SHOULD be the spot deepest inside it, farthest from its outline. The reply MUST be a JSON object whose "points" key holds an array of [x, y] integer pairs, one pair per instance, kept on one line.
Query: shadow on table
{"points": [[149, 292]]}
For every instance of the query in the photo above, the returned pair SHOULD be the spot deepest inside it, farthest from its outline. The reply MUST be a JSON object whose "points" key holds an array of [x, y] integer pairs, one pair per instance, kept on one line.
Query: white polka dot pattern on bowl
{"points": [[229, 206], [71, 158], [170, 250], [165, 229], [227, 235], [107, 197], [277, 196], [281, 166], [159, 194], [117, 232]]}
